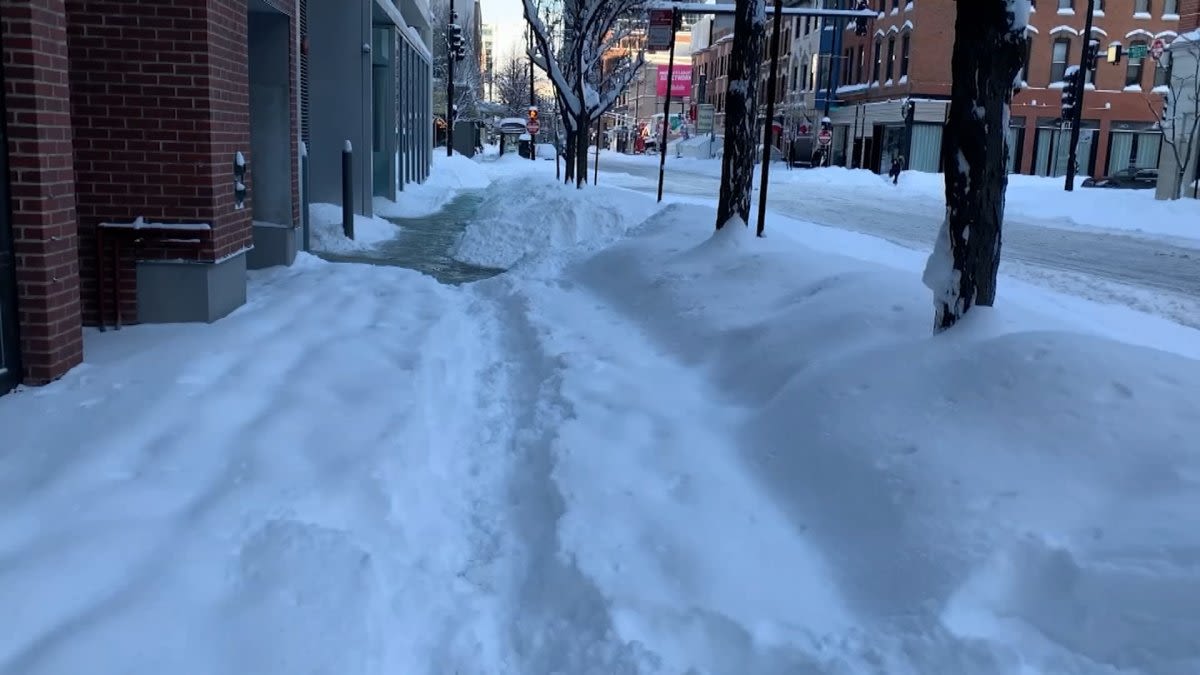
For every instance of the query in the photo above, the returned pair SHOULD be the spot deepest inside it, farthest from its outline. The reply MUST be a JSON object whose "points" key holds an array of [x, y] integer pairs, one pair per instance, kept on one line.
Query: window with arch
{"points": [[1162, 71], [878, 60], [891, 62], [1135, 67], [1059, 54]]}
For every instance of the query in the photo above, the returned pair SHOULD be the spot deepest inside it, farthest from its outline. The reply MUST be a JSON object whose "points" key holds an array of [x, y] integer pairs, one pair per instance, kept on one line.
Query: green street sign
{"points": [[1138, 51]]}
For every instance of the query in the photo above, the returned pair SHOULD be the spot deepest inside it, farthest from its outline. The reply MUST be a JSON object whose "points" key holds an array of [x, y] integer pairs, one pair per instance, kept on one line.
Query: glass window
{"points": [[1134, 67], [906, 46], [1066, 4], [878, 60], [891, 62], [1141, 6], [858, 75], [1058, 59], [1162, 72], [1170, 6]]}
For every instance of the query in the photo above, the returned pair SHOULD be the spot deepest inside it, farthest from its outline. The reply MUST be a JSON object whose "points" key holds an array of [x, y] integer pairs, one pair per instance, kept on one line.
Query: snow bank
{"points": [[851, 494], [537, 216], [327, 235], [448, 177], [1034, 199]]}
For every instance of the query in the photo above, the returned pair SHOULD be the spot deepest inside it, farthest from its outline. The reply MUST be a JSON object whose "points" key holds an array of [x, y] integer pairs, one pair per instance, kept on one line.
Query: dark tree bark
{"points": [[988, 55], [741, 111], [581, 151], [569, 156]]}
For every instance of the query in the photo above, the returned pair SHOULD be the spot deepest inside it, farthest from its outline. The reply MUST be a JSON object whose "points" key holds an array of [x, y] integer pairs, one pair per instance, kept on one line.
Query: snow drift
{"points": [[535, 215], [1013, 496]]}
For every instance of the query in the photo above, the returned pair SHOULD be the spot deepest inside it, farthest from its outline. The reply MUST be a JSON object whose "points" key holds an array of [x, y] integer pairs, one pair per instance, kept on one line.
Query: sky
{"points": [[506, 16]]}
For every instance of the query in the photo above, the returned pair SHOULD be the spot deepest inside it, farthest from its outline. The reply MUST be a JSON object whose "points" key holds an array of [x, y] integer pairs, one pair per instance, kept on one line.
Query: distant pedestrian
{"points": [[897, 167]]}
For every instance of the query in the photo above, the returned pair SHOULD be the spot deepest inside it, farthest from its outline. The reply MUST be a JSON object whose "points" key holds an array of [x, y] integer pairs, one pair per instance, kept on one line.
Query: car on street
{"points": [[1127, 179]]}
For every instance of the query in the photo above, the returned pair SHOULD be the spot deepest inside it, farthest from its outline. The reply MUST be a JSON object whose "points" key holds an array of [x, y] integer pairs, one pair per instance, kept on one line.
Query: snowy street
{"points": [[1163, 264], [641, 450]]}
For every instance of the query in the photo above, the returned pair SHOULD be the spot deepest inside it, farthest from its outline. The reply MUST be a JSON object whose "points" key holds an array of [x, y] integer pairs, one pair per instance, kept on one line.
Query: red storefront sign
{"points": [[681, 84]]}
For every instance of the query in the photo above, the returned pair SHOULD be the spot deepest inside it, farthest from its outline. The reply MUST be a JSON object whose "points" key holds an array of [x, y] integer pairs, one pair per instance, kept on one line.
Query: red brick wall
{"points": [[933, 39], [43, 192], [1189, 15], [160, 107]]}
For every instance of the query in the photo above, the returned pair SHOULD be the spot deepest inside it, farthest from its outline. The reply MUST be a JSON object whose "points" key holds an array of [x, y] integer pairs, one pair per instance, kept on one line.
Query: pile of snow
{"points": [[325, 221], [535, 215], [448, 177], [832, 489]]}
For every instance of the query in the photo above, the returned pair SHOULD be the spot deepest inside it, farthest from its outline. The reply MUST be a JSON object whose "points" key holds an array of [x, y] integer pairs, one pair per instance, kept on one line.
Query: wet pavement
{"points": [[426, 244]]}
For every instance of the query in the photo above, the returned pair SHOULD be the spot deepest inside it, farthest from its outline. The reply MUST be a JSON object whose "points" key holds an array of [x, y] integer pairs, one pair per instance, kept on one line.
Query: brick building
{"points": [[150, 154], [907, 57]]}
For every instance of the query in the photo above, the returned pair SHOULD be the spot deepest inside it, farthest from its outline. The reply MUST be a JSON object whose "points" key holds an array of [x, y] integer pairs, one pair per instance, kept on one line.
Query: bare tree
{"points": [[511, 84], [741, 112], [584, 88], [468, 80], [1177, 115], [989, 50]]}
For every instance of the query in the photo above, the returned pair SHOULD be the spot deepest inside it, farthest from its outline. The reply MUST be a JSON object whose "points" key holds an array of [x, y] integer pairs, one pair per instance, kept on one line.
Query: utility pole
{"points": [[1087, 62], [532, 97], [768, 127], [662, 150], [455, 51]]}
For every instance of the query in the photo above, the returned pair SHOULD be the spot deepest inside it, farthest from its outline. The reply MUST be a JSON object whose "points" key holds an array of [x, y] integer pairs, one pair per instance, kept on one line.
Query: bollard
{"points": [[348, 190]]}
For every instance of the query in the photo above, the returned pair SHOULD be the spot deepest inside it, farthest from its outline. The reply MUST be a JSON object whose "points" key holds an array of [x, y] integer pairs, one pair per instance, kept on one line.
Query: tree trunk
{"points": [[581, 152], [741, 111], [988, 54], [569, 151]]}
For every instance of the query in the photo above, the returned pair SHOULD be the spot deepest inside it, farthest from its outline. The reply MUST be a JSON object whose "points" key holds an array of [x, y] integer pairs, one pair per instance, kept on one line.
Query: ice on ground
{"points": [[325, 221], [448, 177]]}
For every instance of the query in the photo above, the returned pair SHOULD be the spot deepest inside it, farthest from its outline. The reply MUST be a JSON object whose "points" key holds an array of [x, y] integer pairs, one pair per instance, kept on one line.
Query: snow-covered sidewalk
{"points": [[642, 451]]}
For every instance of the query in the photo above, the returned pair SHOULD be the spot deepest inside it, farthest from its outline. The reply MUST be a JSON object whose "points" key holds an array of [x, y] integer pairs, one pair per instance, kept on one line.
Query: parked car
{"points": [[1127, 179]]}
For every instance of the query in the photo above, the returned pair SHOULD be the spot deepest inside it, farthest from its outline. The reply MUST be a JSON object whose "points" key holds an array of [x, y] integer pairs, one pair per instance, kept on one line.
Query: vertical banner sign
{"points": [[658, 37], [681, 82]]}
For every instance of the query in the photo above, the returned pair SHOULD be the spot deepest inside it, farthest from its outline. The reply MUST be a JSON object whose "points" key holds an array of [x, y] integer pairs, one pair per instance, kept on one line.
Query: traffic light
{"points": [[454, 39], [1070, 94], [1115, 51], [1093, 54], [860, 23]]}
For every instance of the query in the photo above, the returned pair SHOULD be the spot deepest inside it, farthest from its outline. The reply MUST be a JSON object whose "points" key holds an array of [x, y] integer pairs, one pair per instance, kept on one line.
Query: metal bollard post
{"points": [[348, 190]]}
